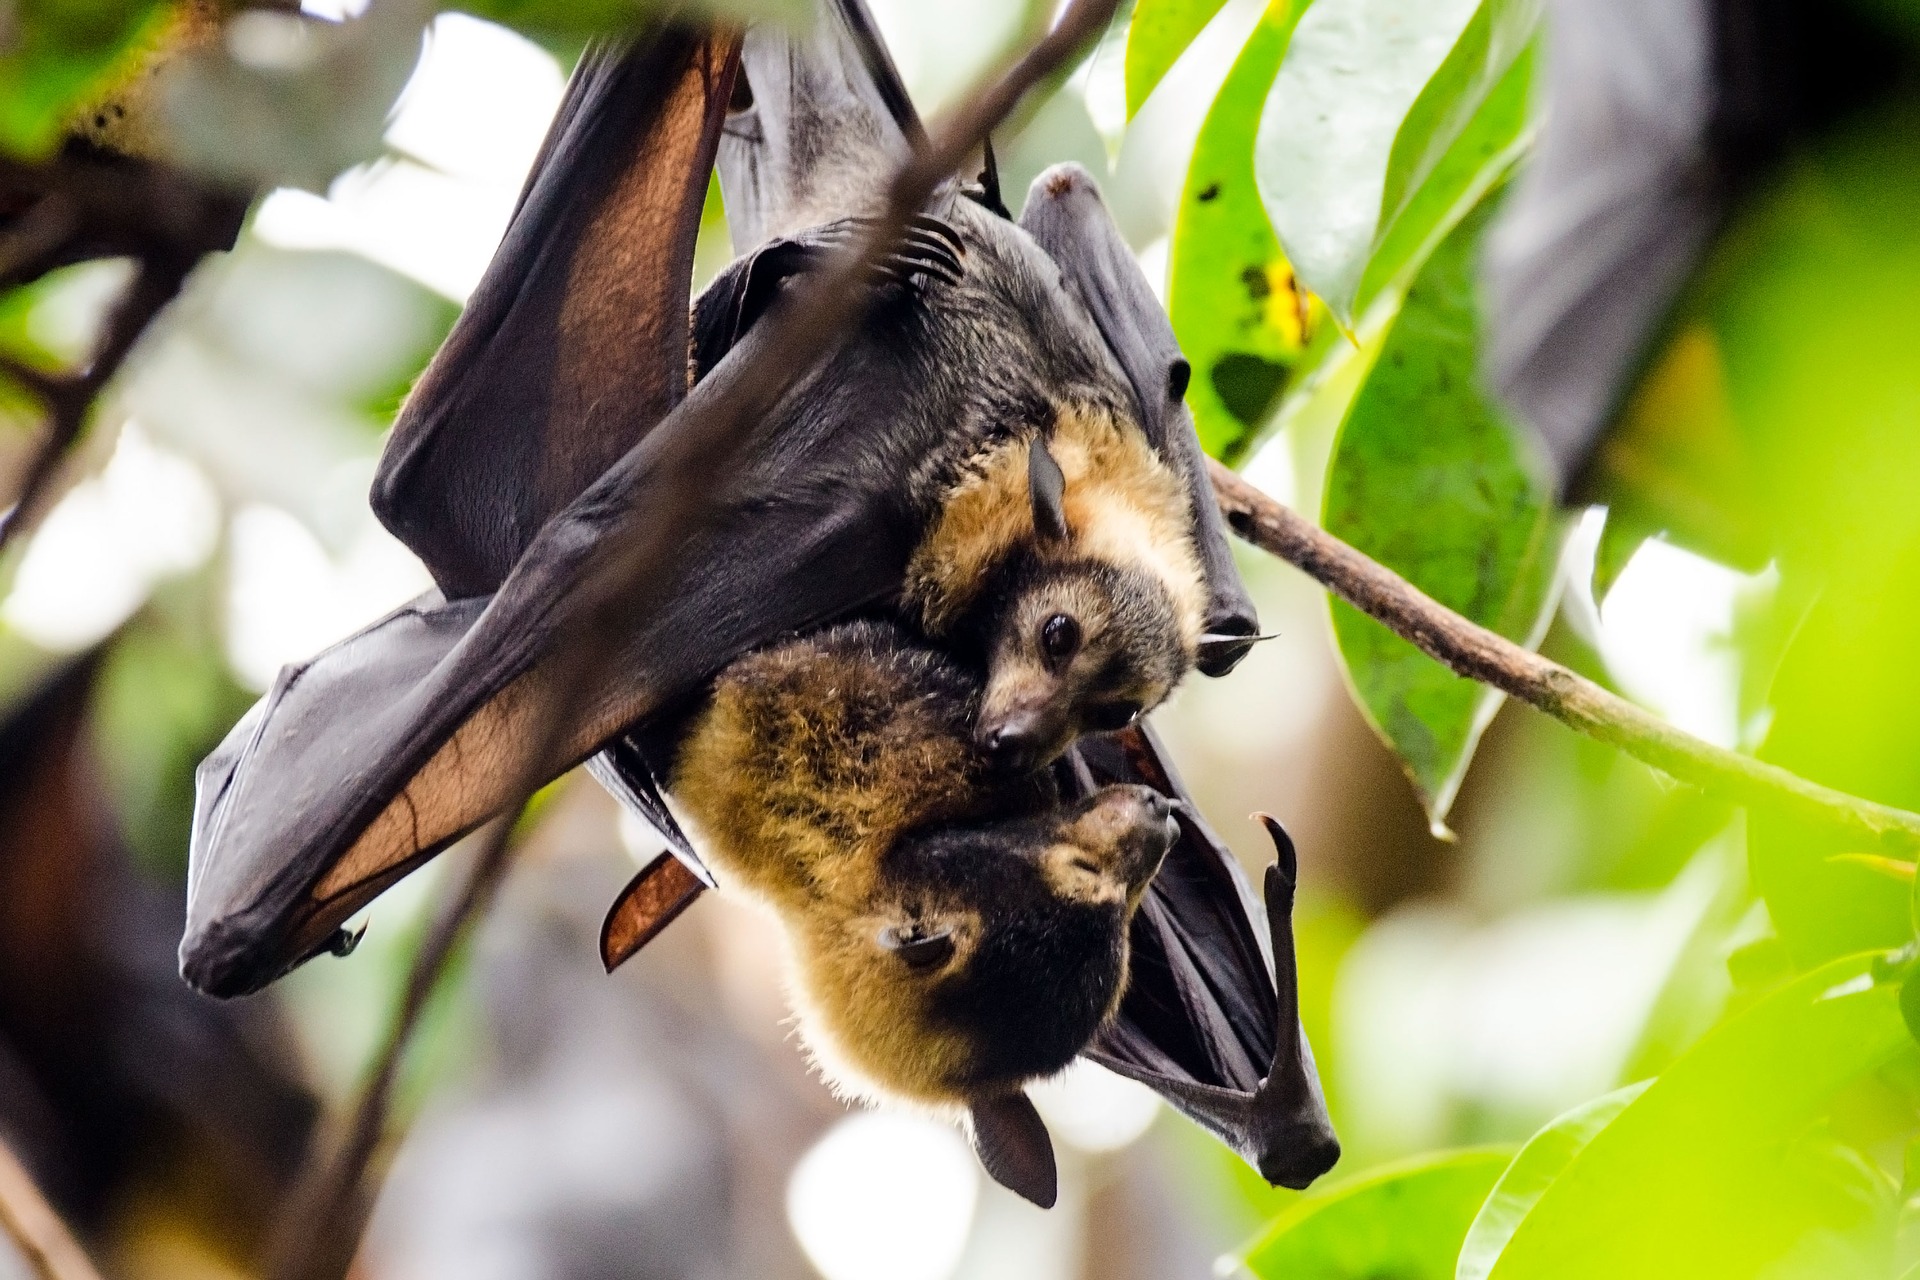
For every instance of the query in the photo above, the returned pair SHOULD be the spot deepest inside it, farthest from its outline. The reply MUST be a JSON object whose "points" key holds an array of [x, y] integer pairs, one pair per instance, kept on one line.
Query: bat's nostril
{"points": [[1010, 746]]}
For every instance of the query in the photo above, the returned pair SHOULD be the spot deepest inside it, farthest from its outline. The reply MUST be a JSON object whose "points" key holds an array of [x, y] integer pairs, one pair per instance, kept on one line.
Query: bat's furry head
{"points": [[1083, 626], [987, 957], [1073, 645]]}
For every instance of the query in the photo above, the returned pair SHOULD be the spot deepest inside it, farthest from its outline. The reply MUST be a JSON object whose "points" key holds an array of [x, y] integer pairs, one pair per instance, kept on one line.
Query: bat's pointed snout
{"points": [[1012, 744]]}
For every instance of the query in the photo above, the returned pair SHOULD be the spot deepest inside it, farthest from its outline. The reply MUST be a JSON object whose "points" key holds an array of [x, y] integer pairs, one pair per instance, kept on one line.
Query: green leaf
{"points": [[1544, 1158], [52, 323], [56, 56], [1431, 479], [1369, 102], [1405, 1221], [1620, 540], [1707, 1175], [1496, 136], [1160, 33], [1241, 319], [1479, 65]]}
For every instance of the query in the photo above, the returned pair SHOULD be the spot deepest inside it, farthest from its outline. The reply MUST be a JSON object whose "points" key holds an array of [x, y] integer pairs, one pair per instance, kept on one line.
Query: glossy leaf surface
{"points": [[1710, 1172], [1160, 33], [1406, 1222], [1241, 318], [1369, 102], [1431, 479]]}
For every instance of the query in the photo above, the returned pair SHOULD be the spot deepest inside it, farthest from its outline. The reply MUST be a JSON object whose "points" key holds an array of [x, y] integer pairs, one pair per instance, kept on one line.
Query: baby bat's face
{"points": [[992, 955], [1080, 647]]}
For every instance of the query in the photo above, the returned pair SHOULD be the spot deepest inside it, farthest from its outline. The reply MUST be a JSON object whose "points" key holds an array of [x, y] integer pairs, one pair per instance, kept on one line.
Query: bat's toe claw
{"points": [[936, 227]]}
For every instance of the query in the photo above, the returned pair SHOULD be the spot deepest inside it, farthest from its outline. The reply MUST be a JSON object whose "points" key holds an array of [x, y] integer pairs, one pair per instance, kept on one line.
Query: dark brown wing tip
{"points": [[652, 900], [1014, 1148]]}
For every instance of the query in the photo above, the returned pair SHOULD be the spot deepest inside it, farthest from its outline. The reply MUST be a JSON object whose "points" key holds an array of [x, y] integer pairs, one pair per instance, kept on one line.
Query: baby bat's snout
{"points": [[1136, 826], [1014, 743]]}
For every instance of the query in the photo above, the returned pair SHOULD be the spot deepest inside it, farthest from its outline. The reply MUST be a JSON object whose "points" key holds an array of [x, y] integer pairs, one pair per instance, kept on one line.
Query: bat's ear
{"points": [[1047, 487], [1012, 1142], [989, 196]]}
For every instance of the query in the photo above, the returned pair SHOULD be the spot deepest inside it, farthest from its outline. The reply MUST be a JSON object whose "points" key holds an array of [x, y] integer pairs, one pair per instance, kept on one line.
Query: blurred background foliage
{"points": [[1506, 931]]}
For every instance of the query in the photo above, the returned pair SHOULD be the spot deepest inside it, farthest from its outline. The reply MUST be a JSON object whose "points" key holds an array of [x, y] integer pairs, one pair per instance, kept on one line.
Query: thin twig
{"points": [[69, 400], [87, 208], [1478, 654], [29, 247], [325, 1223], [35, 1230], [327, 1210]]}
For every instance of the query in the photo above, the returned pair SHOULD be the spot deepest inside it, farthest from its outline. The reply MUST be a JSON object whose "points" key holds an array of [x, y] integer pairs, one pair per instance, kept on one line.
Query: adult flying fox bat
{"points": [[572, 356], [956, 932]]}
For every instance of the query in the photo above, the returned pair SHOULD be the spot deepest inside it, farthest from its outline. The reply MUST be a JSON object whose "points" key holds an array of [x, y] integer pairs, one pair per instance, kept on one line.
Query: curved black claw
{"points": [[928, 247]]}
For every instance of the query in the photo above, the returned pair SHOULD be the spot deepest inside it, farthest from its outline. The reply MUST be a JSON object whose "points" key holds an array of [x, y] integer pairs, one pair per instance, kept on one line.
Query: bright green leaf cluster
{"points": [[1347, 142], [1780, 421], [1716, 1169]]}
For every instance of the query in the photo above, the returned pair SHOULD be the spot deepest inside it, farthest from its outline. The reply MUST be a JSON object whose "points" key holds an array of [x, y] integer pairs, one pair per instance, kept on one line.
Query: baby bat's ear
{"points": [[1012, 1142], [1047, 487]]}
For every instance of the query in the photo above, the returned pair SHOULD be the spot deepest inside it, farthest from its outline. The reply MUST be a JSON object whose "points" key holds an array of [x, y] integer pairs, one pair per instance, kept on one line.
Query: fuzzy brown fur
{"points": [[813, 758], [1124, 505]]}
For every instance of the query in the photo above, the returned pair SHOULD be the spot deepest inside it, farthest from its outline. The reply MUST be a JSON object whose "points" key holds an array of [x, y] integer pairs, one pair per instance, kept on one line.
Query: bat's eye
{"points": [[1059, 640], [921, 951], [1108, 717]]}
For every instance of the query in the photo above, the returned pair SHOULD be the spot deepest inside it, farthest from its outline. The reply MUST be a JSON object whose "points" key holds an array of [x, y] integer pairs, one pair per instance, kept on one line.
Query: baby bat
{"points": [[955, 933]]}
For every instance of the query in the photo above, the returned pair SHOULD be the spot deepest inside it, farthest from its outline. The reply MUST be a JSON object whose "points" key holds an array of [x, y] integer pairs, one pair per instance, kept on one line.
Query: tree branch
{"points": [[1473, 651], [30, 1223], [326, 1212], [96, 208]]}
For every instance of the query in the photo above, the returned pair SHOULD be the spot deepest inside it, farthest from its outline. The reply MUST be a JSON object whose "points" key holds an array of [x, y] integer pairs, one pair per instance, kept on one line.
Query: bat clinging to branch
{"points": [[1025, 369]]}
